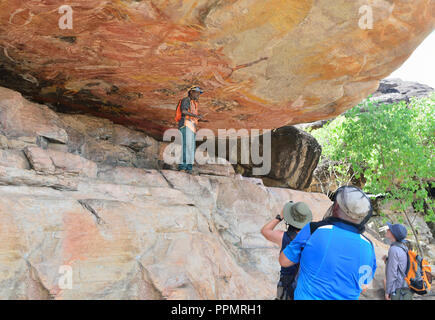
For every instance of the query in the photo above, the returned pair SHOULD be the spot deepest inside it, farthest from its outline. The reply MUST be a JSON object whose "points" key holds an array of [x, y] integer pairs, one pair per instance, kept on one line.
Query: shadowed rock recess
{"points": [[294, 156], [282, 63], [81, 193]]}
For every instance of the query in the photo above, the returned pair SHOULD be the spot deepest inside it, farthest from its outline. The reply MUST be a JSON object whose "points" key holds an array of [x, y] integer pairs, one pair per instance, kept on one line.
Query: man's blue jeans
{"points": [[188, 147]]}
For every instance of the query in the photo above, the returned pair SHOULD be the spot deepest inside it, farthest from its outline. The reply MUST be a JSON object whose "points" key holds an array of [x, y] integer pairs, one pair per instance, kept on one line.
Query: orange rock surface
{"points": [[262, 64]]}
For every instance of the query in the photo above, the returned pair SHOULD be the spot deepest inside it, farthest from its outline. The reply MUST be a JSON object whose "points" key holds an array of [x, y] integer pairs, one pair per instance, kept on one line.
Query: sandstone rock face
{"points": [[139, 234], [103, 142], [13, 158], [169, 235], [283, 62], [51, 161], [73, 228]]}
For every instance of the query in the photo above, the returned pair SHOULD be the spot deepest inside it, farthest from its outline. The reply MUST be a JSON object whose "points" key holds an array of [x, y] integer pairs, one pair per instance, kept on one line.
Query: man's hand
{"points": [[387, 297], [384, 258], [201, 118]]}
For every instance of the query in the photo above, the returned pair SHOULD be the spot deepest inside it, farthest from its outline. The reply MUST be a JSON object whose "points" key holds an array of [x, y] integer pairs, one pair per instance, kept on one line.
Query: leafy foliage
{"points": [[391, 146]]}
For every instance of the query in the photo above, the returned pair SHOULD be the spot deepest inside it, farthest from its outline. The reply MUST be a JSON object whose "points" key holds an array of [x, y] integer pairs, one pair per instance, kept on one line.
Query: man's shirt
{"points": [[185, 106], [334, 262]]}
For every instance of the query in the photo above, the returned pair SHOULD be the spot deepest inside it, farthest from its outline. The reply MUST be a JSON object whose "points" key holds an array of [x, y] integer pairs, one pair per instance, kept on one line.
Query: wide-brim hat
{"points": [[297, 214]]}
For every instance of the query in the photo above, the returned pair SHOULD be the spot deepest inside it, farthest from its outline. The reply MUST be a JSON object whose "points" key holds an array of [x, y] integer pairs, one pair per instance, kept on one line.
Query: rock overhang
{"points": [[262, 64]]}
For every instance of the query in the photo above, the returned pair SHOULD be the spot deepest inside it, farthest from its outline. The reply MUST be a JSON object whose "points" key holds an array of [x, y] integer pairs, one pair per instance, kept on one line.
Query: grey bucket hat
{"points": [[353, 202], [297, 214]]}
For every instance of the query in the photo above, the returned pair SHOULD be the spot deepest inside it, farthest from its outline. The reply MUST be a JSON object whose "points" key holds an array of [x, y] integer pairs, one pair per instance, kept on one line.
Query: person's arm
{"points": [[392, 270], [291, 254], [274, 236], [191, 114], [284, 261]]}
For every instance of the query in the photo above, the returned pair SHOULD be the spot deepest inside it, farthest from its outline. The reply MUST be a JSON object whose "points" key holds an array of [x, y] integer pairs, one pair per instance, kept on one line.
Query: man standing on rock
{"points": [[335, 259], [396, 287], [187, 124], [296, 216]]}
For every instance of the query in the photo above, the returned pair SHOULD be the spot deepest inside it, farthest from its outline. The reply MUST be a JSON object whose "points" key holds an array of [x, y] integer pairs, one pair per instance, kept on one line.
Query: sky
{"points": [[420, 66]]}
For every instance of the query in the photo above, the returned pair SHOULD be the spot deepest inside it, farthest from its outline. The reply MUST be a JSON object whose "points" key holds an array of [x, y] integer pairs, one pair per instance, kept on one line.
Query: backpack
{"points": [[418, 273], [178, 112]]}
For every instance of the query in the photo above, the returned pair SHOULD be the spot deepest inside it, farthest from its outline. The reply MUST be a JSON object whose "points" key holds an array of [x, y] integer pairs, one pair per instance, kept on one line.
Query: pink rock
{"points": [[133, 176], [20, 117], [39, 159], [73, 163], [50, 161], [13, 158]]}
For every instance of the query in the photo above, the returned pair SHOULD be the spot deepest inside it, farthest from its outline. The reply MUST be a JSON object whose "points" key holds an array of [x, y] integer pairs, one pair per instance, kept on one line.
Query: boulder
{"points": [[282, 63], [396, 90], [294, 154]]}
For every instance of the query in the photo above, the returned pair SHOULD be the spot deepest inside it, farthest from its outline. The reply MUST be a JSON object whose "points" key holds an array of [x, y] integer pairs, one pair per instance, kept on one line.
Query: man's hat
{"points": [[398, 230], [196, 88], [297, 214]]}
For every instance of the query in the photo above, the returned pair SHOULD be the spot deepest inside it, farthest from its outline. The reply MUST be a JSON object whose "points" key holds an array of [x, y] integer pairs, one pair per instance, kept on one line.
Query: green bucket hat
{"points": [[297, 214]]}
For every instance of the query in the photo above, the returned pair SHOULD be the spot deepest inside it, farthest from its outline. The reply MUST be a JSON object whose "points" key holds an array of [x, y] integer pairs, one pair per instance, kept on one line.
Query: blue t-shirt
{"points": [[334, 263]]}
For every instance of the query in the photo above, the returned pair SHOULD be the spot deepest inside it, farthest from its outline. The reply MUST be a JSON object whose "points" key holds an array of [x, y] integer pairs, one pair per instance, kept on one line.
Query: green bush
{"points": [[392, 146]]}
